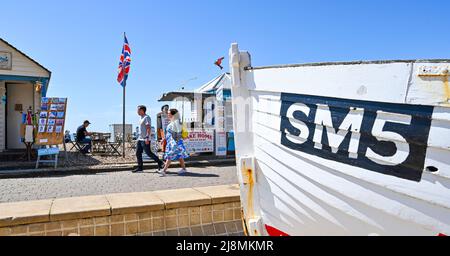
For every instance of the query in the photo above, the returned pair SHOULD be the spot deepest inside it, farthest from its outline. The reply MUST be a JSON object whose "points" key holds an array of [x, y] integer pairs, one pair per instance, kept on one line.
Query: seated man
{"points": [[82, 139]]}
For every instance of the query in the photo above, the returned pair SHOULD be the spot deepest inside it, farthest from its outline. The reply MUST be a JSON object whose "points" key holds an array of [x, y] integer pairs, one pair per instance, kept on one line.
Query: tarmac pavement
{"points": [[71, 183]]}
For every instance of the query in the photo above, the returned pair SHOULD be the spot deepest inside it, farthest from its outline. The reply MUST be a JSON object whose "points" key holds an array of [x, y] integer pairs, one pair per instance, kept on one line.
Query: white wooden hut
{"points": [[23, 81]]}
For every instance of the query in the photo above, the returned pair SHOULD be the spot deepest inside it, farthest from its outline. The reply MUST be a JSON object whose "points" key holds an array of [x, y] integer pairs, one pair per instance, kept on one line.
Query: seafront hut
{"points": [[23, 82], [207, 112]]}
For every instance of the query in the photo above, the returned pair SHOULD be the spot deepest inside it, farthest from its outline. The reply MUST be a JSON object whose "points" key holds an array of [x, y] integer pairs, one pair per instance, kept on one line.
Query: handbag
{"points": [[184, 131]]}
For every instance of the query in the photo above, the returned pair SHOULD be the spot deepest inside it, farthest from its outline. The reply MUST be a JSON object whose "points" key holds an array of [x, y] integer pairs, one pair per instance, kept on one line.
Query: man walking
{"points": [[143, 143]]}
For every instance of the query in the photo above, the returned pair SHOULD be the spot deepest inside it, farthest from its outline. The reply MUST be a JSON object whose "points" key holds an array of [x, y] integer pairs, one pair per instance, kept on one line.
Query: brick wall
{"points": [[188, 212]]}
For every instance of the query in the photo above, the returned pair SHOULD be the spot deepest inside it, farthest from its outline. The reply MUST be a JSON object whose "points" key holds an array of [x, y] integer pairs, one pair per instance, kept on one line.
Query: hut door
{"points": [[19, 96]]}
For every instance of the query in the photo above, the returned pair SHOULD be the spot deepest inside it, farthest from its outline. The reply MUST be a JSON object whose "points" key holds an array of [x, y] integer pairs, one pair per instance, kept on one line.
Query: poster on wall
{"points": [[29, 133], [220, 120], [221, 143], [200, 142], [51, 121], [6, 60]]}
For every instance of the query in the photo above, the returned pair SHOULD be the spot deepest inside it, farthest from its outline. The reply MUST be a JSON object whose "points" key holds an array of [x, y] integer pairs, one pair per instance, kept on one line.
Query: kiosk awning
{"points": [[171, 96]]}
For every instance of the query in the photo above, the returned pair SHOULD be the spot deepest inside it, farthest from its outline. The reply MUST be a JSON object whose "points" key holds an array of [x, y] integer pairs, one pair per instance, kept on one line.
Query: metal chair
{"points": [[75, 144]]}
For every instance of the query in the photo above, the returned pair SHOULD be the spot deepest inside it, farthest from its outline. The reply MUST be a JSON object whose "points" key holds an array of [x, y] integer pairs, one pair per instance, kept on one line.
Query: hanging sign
{"points": [[5, 60]]}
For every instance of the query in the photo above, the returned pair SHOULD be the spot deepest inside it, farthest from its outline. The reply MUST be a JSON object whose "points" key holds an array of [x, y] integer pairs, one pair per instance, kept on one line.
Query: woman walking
{"points": [[175, 149]]}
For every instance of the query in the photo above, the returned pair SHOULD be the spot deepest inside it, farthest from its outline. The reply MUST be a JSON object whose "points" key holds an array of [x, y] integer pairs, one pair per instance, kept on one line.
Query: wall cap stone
{"points": [[221, 194], [134, 202], [79, 207], [186, 197], [18, 213]]}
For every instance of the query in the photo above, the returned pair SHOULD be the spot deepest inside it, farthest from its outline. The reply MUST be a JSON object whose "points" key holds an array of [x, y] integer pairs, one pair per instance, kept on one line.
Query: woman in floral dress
{"points": [[175, 149]]}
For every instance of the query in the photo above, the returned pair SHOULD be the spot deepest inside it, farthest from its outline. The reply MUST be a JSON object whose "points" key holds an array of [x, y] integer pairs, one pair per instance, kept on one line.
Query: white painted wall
{"points": [[21, 65]]}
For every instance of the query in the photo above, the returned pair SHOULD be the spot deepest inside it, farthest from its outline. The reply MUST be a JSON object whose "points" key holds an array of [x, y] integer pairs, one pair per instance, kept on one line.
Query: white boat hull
{"points": [[343, 149]]}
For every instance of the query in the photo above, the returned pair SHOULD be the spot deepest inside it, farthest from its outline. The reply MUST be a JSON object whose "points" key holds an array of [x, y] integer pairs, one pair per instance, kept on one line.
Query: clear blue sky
{"points": [[173, 41]]}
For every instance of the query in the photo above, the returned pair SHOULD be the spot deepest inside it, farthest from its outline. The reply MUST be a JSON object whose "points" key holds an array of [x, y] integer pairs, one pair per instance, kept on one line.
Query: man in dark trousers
{"points": [[143, 143], [82, 138]]}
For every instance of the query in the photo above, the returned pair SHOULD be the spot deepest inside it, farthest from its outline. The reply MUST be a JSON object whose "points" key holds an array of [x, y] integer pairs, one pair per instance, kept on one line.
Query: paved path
{"points": [[23, 189]]}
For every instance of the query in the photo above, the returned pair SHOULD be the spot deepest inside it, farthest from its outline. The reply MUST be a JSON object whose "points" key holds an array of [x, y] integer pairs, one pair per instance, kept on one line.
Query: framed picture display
{"points": [[52, 118]]}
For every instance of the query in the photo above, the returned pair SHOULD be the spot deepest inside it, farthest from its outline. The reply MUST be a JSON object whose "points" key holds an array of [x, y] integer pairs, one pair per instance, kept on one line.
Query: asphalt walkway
{"points": [[72, 184]]}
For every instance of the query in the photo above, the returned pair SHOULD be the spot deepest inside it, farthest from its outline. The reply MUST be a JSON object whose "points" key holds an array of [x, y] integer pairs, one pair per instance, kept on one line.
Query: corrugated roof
{"points": [[213, 84]]}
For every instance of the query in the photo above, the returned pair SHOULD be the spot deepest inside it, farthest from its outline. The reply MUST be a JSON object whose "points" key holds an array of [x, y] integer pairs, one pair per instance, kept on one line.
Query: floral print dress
{"points": [[175, 149]]}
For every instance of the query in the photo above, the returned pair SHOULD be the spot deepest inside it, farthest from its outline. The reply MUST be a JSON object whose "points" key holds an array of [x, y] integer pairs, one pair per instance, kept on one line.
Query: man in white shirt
{"points": [[143, 143]]}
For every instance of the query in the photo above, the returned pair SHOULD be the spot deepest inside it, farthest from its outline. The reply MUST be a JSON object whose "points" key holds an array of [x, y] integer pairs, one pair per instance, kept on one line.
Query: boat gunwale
{"points": [[337, 63]]}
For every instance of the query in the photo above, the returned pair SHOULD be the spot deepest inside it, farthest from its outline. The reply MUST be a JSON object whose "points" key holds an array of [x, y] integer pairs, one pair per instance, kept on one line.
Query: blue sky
{"points": [[173, 41]]}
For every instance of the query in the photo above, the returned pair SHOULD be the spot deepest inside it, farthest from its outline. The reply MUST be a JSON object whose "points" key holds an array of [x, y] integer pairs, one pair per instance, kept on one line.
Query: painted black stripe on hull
{"points": [[415, 134]]}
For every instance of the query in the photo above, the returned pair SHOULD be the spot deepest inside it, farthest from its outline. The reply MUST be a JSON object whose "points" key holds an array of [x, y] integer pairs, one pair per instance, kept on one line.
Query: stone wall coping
{"points": [[79, 208], [221, 194], [18, 213], [134, 202], [29, 212], [186, 197]]}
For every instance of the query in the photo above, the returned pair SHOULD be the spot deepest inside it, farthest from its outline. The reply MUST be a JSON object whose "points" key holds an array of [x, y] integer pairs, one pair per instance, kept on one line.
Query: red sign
{"points": [[200, 142]]}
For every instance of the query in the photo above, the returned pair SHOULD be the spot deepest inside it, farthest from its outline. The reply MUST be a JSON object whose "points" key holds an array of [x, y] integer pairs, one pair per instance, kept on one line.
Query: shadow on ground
{"points": [[17, 161]]}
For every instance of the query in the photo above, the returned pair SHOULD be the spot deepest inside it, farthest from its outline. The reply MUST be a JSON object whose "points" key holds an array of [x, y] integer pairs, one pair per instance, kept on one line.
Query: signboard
{"points": [[51, 121], [221, 143], [219, 115], [200, 142], [209, 113], [5, 60], [194, 116], [29, 134], [48, 151]]}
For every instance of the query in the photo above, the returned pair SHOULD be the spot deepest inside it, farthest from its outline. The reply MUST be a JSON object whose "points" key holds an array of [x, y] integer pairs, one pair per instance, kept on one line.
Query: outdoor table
{"points": [[101, 144], [98, 143]]}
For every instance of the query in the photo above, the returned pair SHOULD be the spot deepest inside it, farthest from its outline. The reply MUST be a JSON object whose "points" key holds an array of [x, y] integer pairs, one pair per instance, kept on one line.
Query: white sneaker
{"points": [[182, 171], [162, 173]]}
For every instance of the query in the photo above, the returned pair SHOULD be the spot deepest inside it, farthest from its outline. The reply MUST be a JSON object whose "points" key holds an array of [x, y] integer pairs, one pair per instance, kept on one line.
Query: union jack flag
{"points": [[125, 62]]}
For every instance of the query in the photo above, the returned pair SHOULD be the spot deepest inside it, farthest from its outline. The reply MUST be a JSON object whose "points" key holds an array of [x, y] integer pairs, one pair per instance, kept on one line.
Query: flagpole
{"points": [[123, 110], [123, 121]]}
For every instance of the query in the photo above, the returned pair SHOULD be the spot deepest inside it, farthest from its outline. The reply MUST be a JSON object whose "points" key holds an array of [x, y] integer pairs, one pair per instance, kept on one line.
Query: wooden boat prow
{"points": [[344, 148]]}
